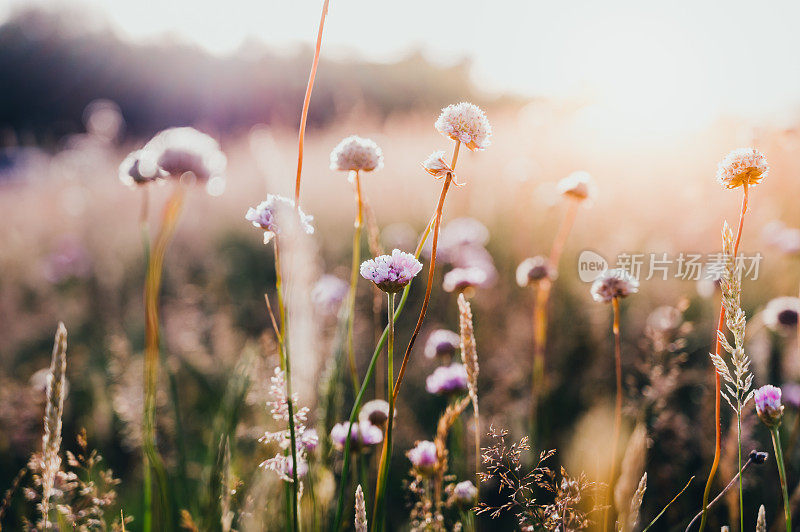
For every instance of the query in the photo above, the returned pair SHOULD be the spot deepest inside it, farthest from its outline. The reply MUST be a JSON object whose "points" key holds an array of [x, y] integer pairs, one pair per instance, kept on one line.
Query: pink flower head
{"points": [[768, 405], [278, 213], [375, 412], [460, 279], [355, 153], [614, 283], [442, 343], [467, 123], [446, 380], [534, 269], [743, 166], [328, 294], [423, 457], [362, 434], [781, 313], [436, 165], [185, 150], [139, 168], [465, 493], [391, 272], [309, 439]]}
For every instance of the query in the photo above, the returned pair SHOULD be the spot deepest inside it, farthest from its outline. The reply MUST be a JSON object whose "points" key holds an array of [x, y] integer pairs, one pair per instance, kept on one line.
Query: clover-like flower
{"points": [[534, 269], [460, 279], [442, 343], [181, 150], [436, 165], [328, 293], [375, 412], [616, 283], [139, 168], [423, 457], [467, 123], [391, 273], [362, 434], [465, 493], [768, 405], [446, 380], [781, 313], [278, 214], [577, 185], [355, 153], [743, 166]]}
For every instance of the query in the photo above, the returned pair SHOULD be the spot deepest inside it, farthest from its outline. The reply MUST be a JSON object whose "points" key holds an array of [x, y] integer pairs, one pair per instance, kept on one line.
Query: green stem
{"points": [[378, 517], [351, 296], [337, 523], [776, 443], [287, 366]]}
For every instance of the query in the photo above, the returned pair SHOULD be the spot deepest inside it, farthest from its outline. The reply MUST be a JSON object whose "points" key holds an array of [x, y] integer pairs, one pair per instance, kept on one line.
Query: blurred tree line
{"points": [[54, 63]]}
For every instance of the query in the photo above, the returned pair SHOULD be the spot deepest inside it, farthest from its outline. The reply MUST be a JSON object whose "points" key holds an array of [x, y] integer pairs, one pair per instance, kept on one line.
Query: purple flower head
{"points": [[534, 269], [460, 279], [362, 434], [423, 457], [442, 343], [614, 283], [446, 380], [392, 272], [302, 467], [375, 412], [309, 440], [465, 493], [768, 405], [328, 294], [276, 214], [184, 150]]}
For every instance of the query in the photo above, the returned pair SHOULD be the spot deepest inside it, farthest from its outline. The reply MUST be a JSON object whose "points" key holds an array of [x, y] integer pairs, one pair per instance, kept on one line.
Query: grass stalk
{"points": [[617, 409], [351, 296], [776, 443]]}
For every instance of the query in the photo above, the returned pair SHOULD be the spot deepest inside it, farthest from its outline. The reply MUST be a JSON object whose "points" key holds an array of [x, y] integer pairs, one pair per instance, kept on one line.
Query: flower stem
{"points": [[306, 102], [351, 296], [776, 443], [617, 409], [717, 381], [378, 516], [287, 367], [362, 391]]}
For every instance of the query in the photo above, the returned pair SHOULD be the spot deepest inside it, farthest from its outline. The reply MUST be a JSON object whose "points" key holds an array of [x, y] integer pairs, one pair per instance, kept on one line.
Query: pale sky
{"points": [[678, 60]]}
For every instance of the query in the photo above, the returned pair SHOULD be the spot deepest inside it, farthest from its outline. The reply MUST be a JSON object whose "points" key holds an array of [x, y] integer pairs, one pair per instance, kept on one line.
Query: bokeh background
{"points": [[645, 98]]}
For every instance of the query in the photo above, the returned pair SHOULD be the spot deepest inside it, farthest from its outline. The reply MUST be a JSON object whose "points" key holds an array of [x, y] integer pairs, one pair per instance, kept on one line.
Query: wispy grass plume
{"points": [[51, 441]]}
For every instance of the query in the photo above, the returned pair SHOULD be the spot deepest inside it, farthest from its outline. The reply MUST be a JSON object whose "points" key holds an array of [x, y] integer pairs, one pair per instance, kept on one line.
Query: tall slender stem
{"points": [[287, 367], [306, 102], [617, 409], [717, 380], [776, 443], [351, 296], [378, 513]]}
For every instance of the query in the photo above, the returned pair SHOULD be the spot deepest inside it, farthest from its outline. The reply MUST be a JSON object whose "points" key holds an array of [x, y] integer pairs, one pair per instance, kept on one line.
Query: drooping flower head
{"points": [[446, 380], [577, 185], [781, 313], [614, 283], [743, 166], [363, 434], [139, 168], [184, 150], [467, 123], [436, 165], [465, 493], [442, 343], [392, 272], [534, 269], [277, 214], [768, 405], [355, 153], [461, 279], [328, 293], [375, 412], [423, 457]]}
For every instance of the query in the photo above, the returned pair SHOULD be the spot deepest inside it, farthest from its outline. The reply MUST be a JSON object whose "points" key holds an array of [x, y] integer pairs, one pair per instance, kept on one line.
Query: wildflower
{"points": [[139, 168], [392, 272], [743, 166], [781, 313], [361, 511], [459, 279], [446, 380], [768, 405], [467, 123], [465, 493], [436, 165], [463, 232], [614, 283], [534, 269], [442, 343], [182, 150], [309, 440], [577, 185], [355, 153], [375, 412], [362, 435], [423, 457], [275, 214], [328, 294]]}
